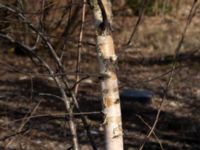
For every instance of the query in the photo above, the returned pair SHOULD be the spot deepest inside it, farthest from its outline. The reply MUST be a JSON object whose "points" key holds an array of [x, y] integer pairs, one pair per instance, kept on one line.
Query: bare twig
{"points": [[50, 115], [177, 50], [64, 79], [24, 122], [13, 135], [137, 23], [157, 138], [80, 47]]}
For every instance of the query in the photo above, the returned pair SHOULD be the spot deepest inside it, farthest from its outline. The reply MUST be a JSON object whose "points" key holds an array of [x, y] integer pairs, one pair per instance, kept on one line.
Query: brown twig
{"points": [[25, 120], [142, 11], [157, 138], [50, 115], [80, 46], [58, 81], [177, 50]]}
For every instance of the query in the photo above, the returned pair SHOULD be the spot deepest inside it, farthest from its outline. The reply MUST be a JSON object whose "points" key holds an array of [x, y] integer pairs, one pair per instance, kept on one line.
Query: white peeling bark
{"points": [[109, 83]]}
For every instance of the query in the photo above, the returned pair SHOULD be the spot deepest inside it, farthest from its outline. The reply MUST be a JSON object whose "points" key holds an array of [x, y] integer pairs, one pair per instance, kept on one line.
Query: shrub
{"points": [[152, 7]]}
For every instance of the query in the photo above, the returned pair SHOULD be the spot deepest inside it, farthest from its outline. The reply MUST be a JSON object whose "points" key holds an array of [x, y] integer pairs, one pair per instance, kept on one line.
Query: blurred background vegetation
{"points": [[52, 18], [153, 7]]}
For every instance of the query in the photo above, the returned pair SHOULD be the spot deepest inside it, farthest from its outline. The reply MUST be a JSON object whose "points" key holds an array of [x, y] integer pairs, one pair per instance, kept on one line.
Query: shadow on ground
{"points": [[17, 101]]}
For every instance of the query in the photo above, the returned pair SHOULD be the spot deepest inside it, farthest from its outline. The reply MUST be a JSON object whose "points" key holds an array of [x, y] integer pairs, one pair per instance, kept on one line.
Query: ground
{"points": [[145, 66]]}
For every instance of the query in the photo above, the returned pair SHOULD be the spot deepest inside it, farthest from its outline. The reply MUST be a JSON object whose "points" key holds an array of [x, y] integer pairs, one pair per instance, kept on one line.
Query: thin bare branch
{"points": [[177, 50], [80, 47]]}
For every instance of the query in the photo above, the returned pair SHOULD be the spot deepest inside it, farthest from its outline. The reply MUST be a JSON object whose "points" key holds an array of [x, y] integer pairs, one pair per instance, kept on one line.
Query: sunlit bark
{"points": [[109, 83]]}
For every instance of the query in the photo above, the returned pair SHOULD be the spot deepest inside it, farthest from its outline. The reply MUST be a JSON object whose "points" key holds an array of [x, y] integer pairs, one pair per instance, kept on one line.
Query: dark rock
{"points": [[141, 96]]}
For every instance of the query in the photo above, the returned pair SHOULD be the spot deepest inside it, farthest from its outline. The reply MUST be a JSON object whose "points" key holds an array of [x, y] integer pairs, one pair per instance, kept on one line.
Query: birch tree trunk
{"points": [[109, 82]]}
